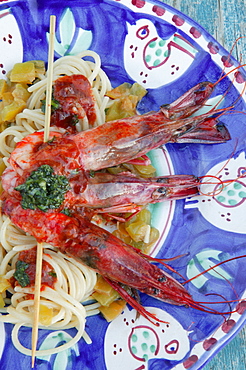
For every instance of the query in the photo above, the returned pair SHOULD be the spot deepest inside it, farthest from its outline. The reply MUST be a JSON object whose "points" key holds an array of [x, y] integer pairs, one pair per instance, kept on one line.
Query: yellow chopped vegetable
{"points": [[7, 98], [39, 67], [154, 235], [113, 310], [2, 303], [45, 315], [23, 72], [145, 171], [9, 112], [127, 89], [4, 284], [102, 286], [14, 93], [3, 87], [137, 230], [125, 99], [105, 299], [20, 92], [145, 216], [105, 294]]}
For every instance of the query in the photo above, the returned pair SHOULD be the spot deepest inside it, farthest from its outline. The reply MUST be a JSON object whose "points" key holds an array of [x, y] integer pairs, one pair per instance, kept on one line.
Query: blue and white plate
{"points": [[168, 53]]}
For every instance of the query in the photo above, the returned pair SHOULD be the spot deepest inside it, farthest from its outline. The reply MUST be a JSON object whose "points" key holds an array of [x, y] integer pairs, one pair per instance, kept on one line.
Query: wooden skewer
{"points": [[39, 257], [49, 78], [38, 277]]}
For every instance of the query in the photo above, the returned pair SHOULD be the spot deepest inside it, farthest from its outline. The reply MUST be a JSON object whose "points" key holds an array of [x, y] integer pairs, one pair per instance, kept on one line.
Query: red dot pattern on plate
{"points": [[190, 361], [195, 33], [177, 20], [228, 325], [138, 3], [158, 10], [239, 77], [214, 49], [241, 307], [226, 60], [209, 343], [8, 39], [3, 71]]}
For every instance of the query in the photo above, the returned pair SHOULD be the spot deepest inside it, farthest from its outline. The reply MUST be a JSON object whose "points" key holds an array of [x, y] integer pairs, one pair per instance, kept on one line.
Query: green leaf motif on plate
{"points": [[63, 358], [73, 39], [202, 262]]}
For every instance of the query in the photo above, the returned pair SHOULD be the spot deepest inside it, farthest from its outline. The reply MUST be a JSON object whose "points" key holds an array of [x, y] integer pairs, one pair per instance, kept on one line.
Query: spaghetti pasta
{"points": [[75, 282]]}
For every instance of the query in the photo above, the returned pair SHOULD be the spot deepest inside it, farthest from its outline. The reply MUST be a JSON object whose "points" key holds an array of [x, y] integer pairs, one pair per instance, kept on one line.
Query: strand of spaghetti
{"points": [[46, 138]]}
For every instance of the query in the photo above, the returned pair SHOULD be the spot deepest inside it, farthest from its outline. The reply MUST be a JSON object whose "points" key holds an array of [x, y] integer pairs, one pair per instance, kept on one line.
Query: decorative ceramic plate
{"points": [[165, 51]]}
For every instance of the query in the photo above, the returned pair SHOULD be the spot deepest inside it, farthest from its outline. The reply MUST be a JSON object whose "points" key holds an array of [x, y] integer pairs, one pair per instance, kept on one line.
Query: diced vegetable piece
{"points": [[3, 87], [45, 315], [144, 216], [102, 286], [126, 98], [23, 72], [127, 89], [122, 108], [115, 170], [119, 91], [105, 299], [104, 293], [138, 90], [113, 310], [137, 230], [154, 235], [4, 284], [39, 67], [125, 238], [7, 98], [2, 303], [145, 171], [20, 92], [9, 111]]}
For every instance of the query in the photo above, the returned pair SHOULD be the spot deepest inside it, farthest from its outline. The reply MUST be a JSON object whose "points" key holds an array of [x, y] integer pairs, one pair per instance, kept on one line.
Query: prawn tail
{"points": [[134, 303]]}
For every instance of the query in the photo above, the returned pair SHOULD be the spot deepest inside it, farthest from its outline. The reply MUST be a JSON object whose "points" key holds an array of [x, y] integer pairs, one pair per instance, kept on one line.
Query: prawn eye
{"points": [[143, 32], [172, 347]]}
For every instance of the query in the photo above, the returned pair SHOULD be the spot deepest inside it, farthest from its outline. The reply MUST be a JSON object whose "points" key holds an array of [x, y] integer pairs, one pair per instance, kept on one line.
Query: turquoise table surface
{"points": [[225, 20]]}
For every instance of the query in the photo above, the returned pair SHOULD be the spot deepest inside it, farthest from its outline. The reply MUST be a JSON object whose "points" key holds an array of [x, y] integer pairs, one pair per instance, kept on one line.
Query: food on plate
{"points": [[91, 165]]}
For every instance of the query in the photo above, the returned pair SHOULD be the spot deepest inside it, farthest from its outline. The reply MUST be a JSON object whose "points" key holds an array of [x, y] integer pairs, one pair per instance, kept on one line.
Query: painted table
{"points": [[225, 20]]}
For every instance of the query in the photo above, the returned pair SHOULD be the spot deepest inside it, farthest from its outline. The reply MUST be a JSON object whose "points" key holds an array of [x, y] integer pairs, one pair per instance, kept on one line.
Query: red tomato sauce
{"points": [[48, 274], [74, 93]]}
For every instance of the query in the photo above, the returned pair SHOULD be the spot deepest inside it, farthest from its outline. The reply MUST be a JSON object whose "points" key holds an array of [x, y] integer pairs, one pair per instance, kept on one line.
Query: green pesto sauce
{"points": [[43, 189]]}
